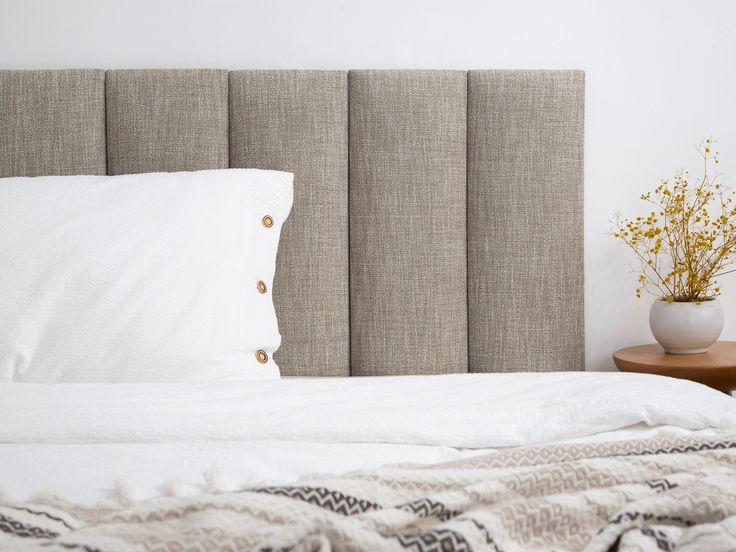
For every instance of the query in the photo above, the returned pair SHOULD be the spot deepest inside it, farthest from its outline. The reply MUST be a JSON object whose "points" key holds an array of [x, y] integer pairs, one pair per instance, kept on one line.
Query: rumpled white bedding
{"points": [[90, 442]]}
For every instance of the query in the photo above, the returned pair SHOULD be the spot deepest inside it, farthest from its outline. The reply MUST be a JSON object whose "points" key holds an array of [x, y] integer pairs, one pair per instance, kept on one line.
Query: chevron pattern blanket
{"points": [[635, 495]]}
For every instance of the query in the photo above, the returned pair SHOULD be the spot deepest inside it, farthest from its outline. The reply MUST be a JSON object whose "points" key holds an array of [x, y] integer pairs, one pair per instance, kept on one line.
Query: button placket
{"points": [[261, 355]]}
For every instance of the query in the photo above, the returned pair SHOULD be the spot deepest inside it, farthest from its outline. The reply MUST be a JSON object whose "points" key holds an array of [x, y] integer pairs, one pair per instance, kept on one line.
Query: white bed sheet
{"points": [[91, 443]]}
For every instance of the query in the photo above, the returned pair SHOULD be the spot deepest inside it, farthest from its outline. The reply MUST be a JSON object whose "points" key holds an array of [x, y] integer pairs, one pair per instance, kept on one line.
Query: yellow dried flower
{"points": [[688, 240]]}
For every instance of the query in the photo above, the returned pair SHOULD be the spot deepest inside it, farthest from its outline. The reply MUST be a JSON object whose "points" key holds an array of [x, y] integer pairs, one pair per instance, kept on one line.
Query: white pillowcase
{"points": [[140, 278]]}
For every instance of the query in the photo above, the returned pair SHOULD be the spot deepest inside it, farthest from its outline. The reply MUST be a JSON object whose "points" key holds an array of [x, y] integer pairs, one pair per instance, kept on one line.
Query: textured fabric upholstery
{"points": [[166, 120], [298, 121], [52, 122], [525, 220], [407, 222], [437, 223]]}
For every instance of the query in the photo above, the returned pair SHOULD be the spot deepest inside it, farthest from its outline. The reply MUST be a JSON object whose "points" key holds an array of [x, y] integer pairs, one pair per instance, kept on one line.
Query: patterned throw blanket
{"points": [[661, 494]]}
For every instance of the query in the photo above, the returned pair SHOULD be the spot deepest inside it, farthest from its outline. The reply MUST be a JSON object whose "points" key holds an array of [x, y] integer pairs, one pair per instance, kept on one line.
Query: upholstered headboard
{"points": [[438, 216]]}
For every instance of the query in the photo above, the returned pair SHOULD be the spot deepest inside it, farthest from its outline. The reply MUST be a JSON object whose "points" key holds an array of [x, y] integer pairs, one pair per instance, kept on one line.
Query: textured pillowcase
{"points": [[140, 278]]}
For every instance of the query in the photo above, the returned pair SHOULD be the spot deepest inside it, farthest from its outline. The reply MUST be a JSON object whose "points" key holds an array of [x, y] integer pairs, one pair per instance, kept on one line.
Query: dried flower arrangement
{"points": [[688, 239]]}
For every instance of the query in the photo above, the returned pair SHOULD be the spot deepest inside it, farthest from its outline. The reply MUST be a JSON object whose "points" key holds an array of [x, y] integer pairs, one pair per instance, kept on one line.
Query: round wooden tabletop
{"points": [[715, 368]]}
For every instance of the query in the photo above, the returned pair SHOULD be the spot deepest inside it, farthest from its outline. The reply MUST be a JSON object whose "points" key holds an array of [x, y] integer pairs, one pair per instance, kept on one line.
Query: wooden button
{"points": [[261, 285], [262, 356], [267, 221]]}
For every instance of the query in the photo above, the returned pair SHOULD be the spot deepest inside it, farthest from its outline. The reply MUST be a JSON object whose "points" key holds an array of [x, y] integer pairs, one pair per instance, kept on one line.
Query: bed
{"points": [[429, 294]]}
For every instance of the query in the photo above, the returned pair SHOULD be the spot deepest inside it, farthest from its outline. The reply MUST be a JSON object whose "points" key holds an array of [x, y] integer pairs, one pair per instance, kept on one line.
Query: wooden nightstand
{"points": [[716, 368]]}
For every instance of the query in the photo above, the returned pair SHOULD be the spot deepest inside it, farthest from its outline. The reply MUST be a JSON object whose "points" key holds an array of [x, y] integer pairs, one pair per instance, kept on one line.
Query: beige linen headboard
{"points": [[438, 216]]}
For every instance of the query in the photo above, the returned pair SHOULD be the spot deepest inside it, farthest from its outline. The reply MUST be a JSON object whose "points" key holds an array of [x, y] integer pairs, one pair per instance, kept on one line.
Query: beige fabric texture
{"points": [[52, 122], [649, 495], [166, 120], [297, 121], [525, 221], [407, 222], [438, 217]]}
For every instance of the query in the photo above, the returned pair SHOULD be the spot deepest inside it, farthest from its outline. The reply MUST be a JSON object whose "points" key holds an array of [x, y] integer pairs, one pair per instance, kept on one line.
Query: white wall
{"points": [[660, 76]]}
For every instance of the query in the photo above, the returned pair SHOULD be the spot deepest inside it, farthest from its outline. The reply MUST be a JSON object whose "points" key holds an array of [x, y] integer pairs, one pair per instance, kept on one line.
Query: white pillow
{"points": [[140, 278]]}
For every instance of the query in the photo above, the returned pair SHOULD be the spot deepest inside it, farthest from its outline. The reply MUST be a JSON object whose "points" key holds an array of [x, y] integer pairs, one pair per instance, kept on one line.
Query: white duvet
{"points": [[91, 442]]}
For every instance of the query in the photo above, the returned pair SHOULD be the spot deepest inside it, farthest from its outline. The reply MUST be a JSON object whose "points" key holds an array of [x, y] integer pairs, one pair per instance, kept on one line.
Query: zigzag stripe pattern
{"points": [[649, 517], [425, 507], [661, 485], [334, 501], [534, 456], [24, 531], [436, 540]]}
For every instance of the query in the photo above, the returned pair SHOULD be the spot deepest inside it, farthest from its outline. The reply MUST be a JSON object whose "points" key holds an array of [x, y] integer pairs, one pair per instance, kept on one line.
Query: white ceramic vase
{"points": [[686, 328]]}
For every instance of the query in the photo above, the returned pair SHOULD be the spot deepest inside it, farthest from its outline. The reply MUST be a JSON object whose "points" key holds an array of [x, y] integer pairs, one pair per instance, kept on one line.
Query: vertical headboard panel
{"points": [[437, 223], [525, 220], [407, 222], [166, 120], [52, 122], [297, 121]]}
